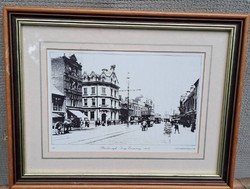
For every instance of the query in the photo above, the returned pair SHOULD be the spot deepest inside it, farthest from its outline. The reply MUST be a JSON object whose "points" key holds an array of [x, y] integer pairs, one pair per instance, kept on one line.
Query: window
{"points": [[57, 103], [92, 115], [111, 92], [103, 78], [92, 90], [115, 104], [93, 102], [74, 103], [115, 93], [111, 103], [85, 91], [103, 101], [74, 100], [85, 102], [103, 90]]}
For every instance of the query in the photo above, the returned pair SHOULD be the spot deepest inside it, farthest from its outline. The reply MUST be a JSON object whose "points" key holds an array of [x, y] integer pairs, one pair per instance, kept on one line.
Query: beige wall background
{"points": [[209, 6]]}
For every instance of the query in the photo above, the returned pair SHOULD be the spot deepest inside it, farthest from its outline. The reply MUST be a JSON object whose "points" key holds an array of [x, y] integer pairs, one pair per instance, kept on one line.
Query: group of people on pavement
{"points": [[98, 122], [64, 126]]}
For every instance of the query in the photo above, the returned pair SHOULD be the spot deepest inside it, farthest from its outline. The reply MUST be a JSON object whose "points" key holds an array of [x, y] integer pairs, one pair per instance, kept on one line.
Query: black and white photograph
{"points": [[115, 101]]}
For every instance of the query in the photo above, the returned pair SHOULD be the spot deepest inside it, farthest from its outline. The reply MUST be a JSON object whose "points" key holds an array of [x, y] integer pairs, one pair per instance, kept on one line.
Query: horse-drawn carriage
{"points": [[63, 127]]}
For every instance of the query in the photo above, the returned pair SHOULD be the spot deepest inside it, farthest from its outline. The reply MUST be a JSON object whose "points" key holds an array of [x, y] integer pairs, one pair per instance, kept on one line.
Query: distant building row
{"points": [[139, 108]]}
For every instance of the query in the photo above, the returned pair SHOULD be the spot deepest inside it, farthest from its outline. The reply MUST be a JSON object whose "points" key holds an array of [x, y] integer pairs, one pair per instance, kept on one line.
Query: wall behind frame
{"points": [[212, 6]]}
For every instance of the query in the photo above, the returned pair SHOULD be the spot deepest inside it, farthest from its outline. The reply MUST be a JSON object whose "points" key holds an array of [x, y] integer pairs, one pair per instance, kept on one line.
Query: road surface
{"points": [[121, 134]]}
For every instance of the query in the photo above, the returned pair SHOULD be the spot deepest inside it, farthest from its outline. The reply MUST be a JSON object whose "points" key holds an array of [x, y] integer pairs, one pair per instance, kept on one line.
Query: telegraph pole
{"points": [[128, 90], [128, 101]]}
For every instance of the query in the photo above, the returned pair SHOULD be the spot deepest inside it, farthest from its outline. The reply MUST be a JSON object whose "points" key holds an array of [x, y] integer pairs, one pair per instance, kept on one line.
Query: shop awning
{"points": [[77, 113], [54, 115]]}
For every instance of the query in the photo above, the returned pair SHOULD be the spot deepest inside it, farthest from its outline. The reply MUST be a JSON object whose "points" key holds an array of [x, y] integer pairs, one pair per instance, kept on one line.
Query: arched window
{"points": [[103, 78]]}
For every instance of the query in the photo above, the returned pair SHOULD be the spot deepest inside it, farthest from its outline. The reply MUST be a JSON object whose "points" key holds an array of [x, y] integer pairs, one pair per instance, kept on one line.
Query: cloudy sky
{"points": [[162, 77]]}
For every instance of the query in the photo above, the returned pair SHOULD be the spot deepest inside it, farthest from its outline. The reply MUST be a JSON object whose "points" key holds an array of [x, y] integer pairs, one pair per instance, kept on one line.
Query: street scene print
{"points": [[107, 101]]}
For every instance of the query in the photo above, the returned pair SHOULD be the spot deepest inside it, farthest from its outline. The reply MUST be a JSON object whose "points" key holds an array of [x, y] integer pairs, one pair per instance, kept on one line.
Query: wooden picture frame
{"points": [[27, 40]]}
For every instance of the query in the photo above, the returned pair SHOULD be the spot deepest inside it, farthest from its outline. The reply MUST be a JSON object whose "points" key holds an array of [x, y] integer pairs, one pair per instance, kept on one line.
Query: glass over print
{"points": [[124, 101]]}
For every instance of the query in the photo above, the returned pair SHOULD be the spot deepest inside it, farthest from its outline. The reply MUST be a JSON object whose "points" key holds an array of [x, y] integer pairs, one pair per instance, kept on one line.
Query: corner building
{"points": [[100, 96]]}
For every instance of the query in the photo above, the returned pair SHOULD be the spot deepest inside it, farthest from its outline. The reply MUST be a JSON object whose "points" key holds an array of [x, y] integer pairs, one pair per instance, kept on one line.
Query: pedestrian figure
{"points": [[168, 129], [144, 125], [148, 123], [103, 123], [97, 122], [108, 122], [86, 123], [193, 126], [73, 123], [176, 128], [81, 123]]}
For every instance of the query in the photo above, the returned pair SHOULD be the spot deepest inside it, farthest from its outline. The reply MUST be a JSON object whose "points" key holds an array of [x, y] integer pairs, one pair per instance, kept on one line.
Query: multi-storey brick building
{"points": [[66, 78]]}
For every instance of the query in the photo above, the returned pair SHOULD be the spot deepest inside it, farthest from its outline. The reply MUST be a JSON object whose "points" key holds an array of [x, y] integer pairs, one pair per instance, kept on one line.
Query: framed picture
{"points": [[122, 99]]}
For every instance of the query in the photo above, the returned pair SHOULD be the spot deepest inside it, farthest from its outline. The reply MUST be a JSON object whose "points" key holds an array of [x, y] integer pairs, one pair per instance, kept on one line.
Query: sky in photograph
{"points": [[162, 77]]}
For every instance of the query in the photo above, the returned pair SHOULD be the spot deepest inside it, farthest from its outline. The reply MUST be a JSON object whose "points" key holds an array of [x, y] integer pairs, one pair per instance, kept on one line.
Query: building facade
{"points": [[126, 110], [100, 95], [139, 108], [136, 107], [58, 105], [66, 79], [148, 109], [188, 105]]}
